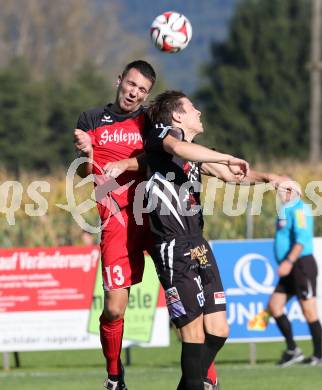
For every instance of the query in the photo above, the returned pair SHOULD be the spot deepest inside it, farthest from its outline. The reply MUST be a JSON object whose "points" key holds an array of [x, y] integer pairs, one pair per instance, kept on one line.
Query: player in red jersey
{"points": [[104, 135]]}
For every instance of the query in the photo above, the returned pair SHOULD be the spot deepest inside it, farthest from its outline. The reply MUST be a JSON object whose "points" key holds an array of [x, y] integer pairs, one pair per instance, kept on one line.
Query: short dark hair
{"points": [[143, 67], [164, 104]]}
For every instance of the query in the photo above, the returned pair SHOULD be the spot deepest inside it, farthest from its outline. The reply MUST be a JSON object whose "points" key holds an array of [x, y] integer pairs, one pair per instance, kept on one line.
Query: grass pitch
{"points": [[159, 369]]}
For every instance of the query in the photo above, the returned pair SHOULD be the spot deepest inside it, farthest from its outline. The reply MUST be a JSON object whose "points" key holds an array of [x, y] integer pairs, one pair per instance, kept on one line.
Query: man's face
{"points": [[284, 195], [190, 119], [133, 89], [289, 190]]}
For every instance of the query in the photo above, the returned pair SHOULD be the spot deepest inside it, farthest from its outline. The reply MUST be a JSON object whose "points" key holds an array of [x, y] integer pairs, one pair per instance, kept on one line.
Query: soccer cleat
{"points": [[313, 361], [208, 385], [291, 357], [259, 322], [114, 385]]}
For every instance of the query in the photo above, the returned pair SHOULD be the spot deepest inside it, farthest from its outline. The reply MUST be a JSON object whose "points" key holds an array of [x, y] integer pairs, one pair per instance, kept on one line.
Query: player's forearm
{"points": [[132, 164], [137, 163], [197, 153], [86, 168], [254, 177], [295, 253], [220, 171]]}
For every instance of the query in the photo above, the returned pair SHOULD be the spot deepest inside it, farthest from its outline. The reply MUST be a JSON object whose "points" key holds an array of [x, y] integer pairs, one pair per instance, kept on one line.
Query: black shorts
{"points": [[189, 275], [302, 279]]}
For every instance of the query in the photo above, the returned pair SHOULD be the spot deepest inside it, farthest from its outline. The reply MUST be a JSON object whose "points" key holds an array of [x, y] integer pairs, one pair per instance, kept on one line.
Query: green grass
{"points": [[159, 369]]}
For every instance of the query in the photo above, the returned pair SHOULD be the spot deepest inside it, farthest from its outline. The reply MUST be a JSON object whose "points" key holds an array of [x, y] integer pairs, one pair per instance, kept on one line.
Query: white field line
{"points": [[82, 372], [66, 372]]}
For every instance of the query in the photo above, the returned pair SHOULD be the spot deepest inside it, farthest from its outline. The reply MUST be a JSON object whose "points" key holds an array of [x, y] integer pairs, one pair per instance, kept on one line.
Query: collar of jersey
{"points": [[122, 117]]}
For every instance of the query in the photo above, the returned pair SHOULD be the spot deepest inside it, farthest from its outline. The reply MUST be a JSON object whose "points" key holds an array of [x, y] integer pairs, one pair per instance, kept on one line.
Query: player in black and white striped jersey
{"points": [[184, 261], [183, 258]]}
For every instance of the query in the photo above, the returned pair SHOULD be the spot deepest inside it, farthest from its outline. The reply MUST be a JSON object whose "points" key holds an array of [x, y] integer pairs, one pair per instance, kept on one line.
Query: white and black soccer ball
{"points": [[171, 32]]}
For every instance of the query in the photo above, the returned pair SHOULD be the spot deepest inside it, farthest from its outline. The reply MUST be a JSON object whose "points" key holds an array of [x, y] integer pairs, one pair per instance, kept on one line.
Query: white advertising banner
{"points": [[48, 301]]}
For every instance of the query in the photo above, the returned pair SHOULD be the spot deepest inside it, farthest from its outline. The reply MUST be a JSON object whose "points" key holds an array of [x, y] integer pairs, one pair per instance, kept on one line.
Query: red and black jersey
{"points": [[115, 137], [173, 188]]}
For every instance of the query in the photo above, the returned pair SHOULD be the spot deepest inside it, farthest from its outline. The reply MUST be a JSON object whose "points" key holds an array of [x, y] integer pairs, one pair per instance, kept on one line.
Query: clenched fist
{"points": [[83, 142]]}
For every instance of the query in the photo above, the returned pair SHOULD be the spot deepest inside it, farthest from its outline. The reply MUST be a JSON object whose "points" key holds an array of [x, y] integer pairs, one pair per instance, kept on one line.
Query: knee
{"points": [[310, 315], [113, 312], [218, 327], [275, 310], [223, 331], [220, 330], [271, 309], [192, 335]]}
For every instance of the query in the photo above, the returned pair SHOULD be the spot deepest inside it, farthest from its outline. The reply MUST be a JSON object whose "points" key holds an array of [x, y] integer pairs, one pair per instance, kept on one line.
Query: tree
{"points": [[256, 93], [87, 89], [23, 119], [38, 118], [61, 36]]}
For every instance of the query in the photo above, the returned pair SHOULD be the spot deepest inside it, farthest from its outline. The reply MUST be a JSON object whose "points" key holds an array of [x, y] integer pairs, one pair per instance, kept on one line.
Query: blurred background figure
{"points": [[88, 238], [298, 274]]}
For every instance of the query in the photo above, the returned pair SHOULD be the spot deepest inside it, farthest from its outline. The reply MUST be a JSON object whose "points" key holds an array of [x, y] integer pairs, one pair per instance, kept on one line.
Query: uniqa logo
{"points": [[245, 280]]}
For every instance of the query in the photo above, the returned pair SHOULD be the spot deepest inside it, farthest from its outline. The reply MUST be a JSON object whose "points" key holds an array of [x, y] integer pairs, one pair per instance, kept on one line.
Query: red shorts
{"points": [[122, 250]]}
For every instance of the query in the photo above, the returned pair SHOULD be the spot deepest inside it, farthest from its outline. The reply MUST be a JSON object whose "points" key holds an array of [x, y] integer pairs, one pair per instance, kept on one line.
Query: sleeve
{"points": [[156, 135], [83, 122], [301, 229]]}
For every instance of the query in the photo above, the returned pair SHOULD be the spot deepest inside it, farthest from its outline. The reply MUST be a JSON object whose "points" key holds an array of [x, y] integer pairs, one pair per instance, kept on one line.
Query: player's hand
{"points": [[290, 185], [284, 183], [238, 167], [83, 141], [284, 269], [116, 168]]}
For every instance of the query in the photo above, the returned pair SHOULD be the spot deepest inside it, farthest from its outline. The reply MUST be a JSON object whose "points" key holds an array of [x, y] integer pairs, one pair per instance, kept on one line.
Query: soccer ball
{"points": [[171, 32]]}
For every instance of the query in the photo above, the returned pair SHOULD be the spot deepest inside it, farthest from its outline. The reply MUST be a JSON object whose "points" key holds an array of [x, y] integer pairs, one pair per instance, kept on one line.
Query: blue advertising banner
{"points": [[248, 272]]}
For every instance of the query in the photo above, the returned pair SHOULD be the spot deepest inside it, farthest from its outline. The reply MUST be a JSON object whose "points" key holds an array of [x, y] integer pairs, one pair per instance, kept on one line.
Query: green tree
{"points": [[38, 117], [23, 113], [255, 92], [87, 89]]}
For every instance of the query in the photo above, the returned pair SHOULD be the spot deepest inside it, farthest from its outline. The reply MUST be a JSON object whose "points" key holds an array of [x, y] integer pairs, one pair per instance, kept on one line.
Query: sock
{"points": [[191, 355], [212, 346], [211, 373], [111, 334], [285, 328], [316, 332]]}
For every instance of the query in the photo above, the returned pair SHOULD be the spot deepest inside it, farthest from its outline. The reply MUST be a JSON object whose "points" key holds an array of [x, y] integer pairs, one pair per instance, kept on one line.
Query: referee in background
{"points": [[298, 275]]}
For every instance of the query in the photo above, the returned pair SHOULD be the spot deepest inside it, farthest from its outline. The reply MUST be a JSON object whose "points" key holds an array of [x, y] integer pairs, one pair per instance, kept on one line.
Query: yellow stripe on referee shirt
{"points": [[300, 218]]}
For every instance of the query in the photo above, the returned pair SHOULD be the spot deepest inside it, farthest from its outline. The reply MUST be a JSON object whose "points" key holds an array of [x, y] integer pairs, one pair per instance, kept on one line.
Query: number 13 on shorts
{"points": [[114, 276]]}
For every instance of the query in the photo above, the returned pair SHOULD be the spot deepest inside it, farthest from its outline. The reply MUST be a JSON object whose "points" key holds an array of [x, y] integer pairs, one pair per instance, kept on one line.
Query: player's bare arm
{"points": [[257, 177], [286, 266], [134, 164], [280, 182], [223, 173], [83, 145], [199, 153], [220, 171]]}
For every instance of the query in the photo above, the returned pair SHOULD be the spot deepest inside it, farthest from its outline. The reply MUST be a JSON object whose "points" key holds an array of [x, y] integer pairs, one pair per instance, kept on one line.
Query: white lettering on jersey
{"points": [[107, 119], [119, 136], [164, 129]]}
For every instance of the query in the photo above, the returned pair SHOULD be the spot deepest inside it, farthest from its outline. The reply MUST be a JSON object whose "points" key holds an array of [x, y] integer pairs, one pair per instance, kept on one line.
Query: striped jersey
{"points": [[173, 188]]}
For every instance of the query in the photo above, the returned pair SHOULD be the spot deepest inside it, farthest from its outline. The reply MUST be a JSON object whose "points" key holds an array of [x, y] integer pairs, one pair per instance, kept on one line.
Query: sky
{"points": [[209, 20]]}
